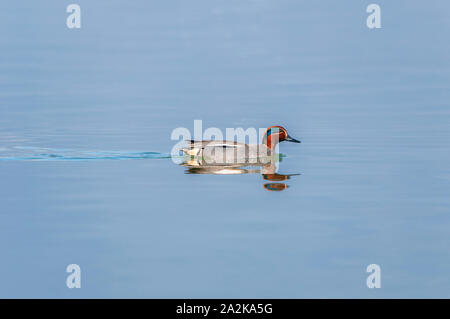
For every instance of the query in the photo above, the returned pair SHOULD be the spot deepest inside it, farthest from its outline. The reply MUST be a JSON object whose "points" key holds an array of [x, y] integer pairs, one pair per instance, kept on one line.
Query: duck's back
{"points": [[226, 151]]}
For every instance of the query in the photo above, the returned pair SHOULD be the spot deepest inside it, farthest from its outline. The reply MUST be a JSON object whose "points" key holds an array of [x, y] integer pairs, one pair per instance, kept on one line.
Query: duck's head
{"points": [[276, 134]]}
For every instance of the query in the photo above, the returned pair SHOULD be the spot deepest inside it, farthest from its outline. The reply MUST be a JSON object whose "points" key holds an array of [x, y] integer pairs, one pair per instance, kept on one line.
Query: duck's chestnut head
{"points": [[276, 134]]}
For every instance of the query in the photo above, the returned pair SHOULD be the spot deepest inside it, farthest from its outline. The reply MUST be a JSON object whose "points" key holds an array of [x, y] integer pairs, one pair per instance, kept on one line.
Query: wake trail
{"points": [[23, 153]]}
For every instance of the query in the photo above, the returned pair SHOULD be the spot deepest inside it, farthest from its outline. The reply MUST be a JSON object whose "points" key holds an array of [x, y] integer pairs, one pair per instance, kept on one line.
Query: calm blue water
{"points": [[85, 123]]}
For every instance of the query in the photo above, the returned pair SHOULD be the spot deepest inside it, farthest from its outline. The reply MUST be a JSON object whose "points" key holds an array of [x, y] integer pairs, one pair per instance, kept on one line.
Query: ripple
{"points": [[26, 153]]}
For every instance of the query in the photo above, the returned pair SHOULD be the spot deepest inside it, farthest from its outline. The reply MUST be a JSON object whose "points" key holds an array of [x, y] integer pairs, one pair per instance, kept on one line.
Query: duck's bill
{"points": [[293, 140]]}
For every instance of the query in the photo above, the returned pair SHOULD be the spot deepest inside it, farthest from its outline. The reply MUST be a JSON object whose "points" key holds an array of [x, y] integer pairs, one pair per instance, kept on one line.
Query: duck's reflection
{"points": [[267, 171]]}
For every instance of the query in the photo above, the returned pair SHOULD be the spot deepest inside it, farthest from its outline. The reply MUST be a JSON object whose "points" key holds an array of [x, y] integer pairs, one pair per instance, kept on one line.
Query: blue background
{"points": [[370, 106]]}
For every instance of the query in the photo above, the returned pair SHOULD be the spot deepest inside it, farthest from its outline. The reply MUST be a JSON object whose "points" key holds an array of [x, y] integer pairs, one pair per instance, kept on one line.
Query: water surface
{"points": [[370, 106]]}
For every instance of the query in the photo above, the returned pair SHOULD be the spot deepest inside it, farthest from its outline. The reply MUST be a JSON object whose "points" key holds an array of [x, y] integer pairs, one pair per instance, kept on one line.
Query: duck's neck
{"points": [[269, 142]]}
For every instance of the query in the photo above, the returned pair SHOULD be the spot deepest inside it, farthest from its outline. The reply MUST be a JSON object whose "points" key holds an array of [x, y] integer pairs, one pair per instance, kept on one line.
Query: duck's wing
{"points": [[203, 144], [196, 147]]}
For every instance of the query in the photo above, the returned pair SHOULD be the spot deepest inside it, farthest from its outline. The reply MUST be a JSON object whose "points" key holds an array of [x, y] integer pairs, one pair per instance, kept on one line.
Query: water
{"points": [[370, 106]]}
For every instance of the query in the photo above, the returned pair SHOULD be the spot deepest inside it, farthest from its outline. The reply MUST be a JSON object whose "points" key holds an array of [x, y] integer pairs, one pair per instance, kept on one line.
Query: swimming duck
{"points": [[226, 152]]}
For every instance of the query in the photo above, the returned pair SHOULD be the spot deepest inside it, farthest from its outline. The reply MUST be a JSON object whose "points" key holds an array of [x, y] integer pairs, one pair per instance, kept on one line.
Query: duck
{"points": [[221, 152]]}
